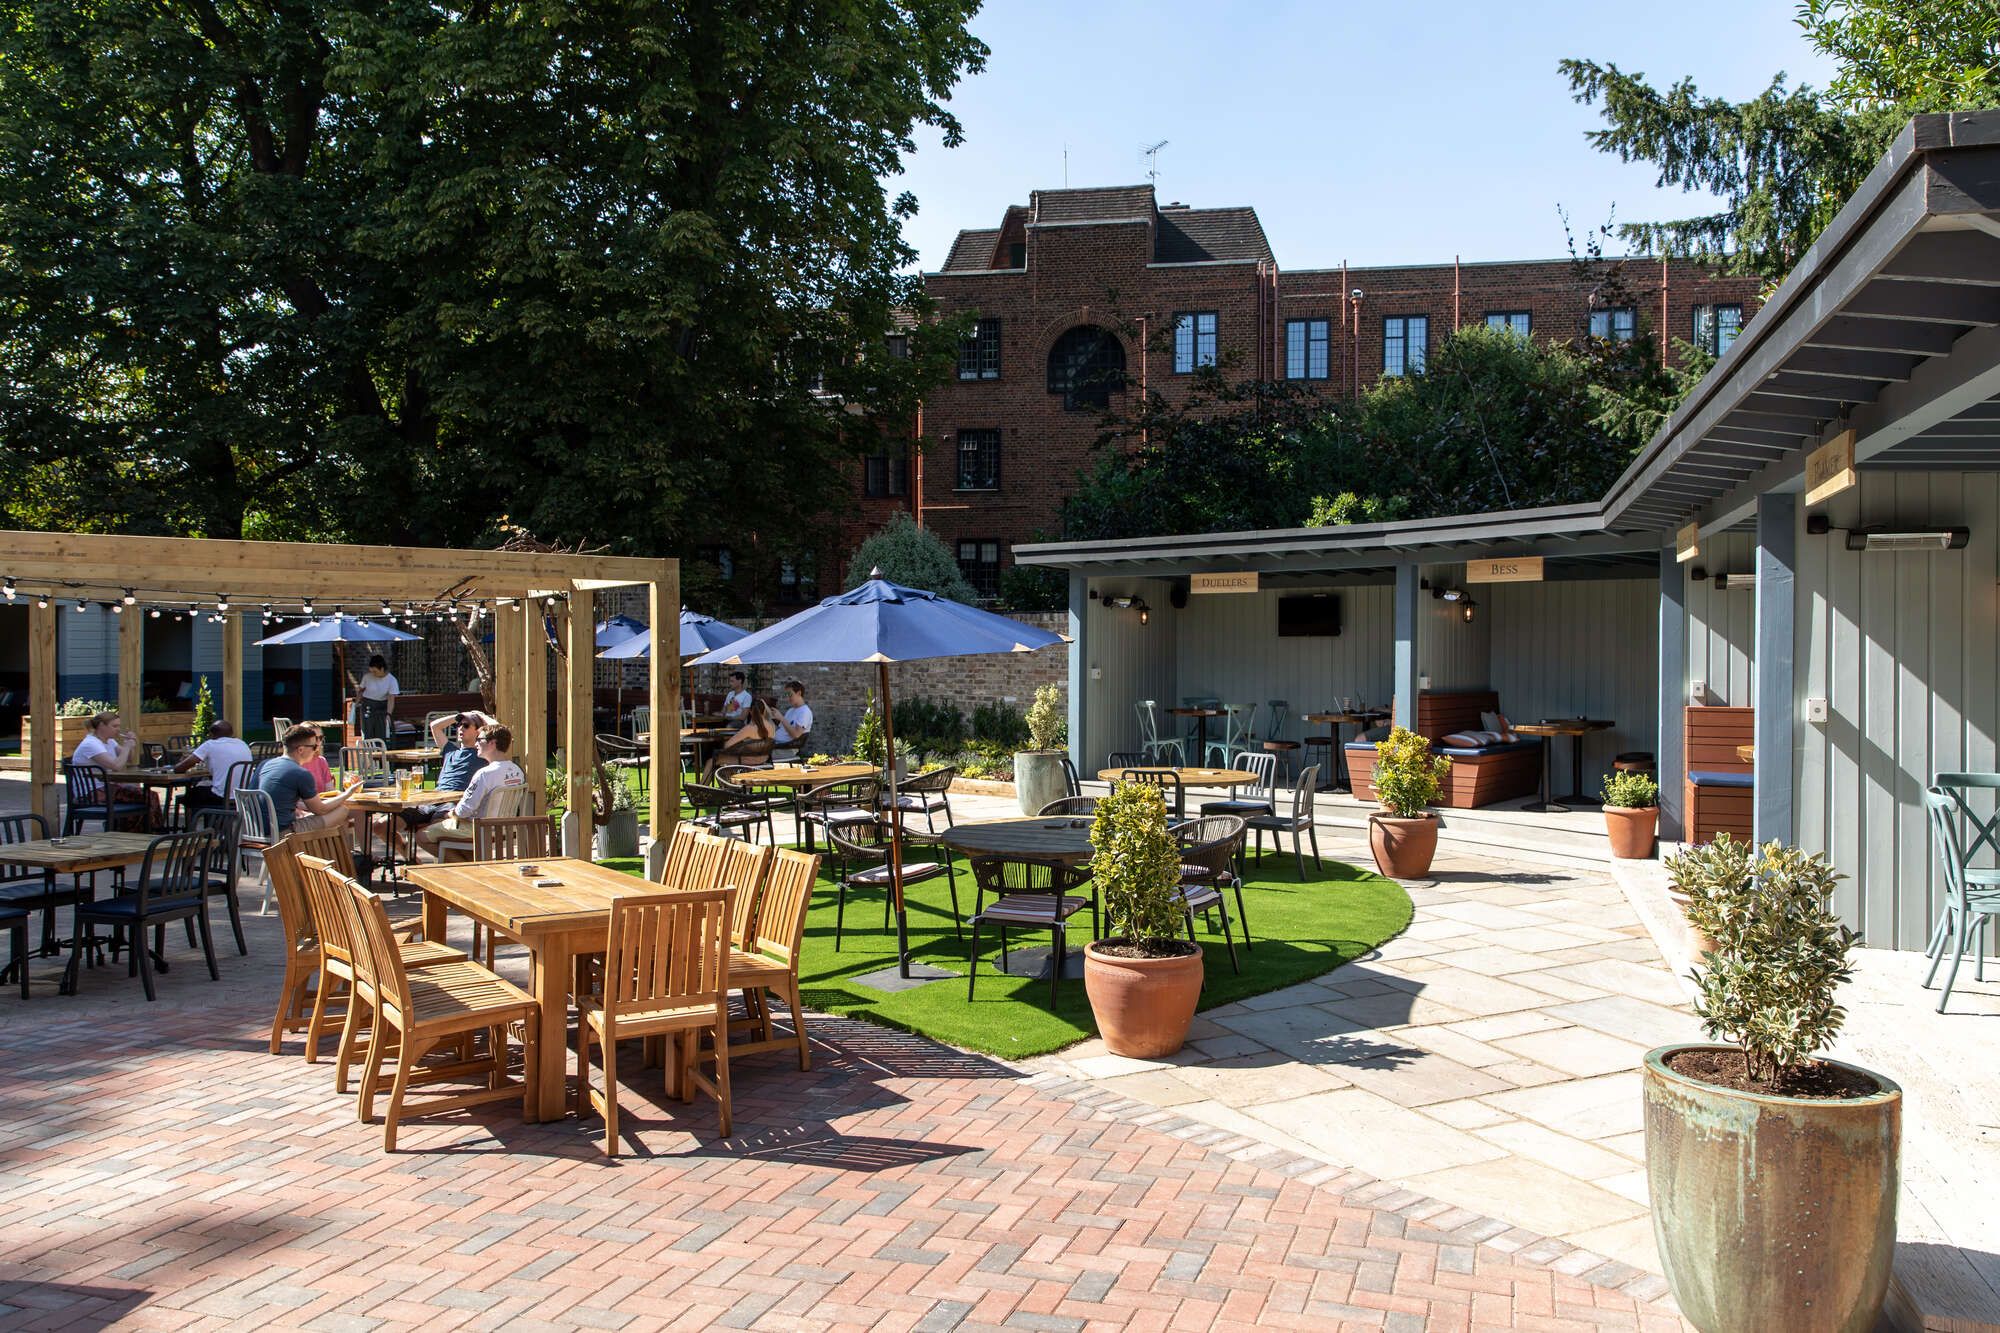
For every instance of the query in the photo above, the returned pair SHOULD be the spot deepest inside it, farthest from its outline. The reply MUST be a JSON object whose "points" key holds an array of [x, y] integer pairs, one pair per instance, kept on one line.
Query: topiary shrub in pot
{"points": [[1038, 770], [1408, 780], [1143, 979], [1631, 814], [1773, 1173]]}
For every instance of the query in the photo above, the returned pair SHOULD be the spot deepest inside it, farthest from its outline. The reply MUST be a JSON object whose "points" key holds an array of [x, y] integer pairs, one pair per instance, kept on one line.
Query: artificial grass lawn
{"points": [[1299, 930]]}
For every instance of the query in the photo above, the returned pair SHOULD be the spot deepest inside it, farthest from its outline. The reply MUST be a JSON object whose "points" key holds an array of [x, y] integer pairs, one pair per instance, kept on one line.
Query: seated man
{"points": [[220, 753], [790, 731], [295, 794], [498, 771], [736, 703], [457, 739]]}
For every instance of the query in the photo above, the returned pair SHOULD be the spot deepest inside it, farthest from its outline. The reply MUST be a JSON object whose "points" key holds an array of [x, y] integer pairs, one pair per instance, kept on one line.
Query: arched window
{"points": [[1087, 366]]}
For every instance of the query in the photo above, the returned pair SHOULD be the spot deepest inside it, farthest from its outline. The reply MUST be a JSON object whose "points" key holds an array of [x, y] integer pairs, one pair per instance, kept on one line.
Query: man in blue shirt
{"points": [[292, 790], [457, 738]]}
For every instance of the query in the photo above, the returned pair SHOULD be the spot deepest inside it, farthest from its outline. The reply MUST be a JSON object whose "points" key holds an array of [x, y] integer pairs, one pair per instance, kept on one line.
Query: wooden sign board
{"points": [[1830, 468], [1243, 582], [1687, 543], [1514, 569]]}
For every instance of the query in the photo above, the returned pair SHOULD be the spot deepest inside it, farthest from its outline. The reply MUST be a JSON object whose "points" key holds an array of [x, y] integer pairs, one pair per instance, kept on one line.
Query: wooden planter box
{"points": [[70, 731], [982, 786]]}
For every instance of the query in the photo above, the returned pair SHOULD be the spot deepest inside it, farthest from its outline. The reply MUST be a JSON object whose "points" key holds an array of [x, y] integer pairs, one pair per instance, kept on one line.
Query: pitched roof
{"points": [[972, 251], [1192, 235], [1103, 204]]}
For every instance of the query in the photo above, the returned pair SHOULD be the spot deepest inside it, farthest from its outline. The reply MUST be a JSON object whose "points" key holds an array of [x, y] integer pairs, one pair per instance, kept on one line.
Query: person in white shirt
{"points": [[107, 748], [496, 744], [378, 698], [219, 754], [797, 722], [736, 703]]}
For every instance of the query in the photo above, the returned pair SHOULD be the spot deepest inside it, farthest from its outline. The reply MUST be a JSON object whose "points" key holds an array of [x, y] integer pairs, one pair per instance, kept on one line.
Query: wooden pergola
{"points": [[516, 588]]}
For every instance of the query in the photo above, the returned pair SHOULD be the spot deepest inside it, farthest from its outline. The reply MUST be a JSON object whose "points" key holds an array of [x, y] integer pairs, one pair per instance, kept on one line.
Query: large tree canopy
{"points": [[1784, 161], [392, 270]]}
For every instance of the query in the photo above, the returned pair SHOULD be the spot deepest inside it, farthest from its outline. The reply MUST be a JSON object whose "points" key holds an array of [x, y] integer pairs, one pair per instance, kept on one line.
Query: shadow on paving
{"points": [[38, 1305]]}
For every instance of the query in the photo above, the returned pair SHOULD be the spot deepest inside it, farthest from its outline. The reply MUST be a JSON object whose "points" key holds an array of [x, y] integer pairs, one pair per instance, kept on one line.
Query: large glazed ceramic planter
{"points": [[1631, 830], [1403, 847], [1772, 1212], [619, 835], [1143, 1005], [1039, 779]]}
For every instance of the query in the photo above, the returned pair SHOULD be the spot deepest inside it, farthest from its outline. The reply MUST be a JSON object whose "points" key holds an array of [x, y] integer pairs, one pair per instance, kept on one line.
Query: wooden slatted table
{"points": [[81, 854], [555, 924]]}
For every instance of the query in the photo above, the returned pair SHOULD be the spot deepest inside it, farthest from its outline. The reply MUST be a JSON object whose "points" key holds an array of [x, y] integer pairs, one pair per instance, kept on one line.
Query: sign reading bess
{"points": [[1513, 569]]}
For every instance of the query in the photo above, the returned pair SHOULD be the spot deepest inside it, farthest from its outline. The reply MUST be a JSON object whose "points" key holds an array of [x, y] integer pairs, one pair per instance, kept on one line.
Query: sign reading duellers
{"points": [[1514, 569], [1243, 582]]}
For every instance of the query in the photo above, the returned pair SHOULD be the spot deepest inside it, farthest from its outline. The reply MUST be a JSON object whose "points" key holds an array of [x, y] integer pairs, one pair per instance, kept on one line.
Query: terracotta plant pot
{"points": [[1632, 829], [1143, 1005], [1039, 779], [1703, 945], [1772, 1212], [1403, 847]]}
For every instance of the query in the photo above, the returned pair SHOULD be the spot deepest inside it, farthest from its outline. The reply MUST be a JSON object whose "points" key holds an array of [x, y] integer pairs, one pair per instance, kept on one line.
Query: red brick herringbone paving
{"points": [[158, 1169]]}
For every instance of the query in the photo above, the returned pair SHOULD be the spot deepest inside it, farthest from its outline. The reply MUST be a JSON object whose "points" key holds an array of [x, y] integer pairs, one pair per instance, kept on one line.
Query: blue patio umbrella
{"points": [[617, 630], [883, 622], [339, 630], [699, 633]]}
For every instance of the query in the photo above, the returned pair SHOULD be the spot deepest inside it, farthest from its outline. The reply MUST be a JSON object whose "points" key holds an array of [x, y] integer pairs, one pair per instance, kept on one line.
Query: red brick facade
{"points": [[1115, 259]]}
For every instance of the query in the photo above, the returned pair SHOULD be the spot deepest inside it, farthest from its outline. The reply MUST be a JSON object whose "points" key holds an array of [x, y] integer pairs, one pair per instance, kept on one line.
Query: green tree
{"points": [[391, 270], [1785, 161], [912, 556]]}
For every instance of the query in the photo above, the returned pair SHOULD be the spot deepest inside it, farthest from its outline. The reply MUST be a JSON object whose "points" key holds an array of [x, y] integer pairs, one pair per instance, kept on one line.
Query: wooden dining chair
{"points": [[768, 962], [745, 868], [427, 1008], [666, 974], [704, 868], [680, 853], [331, 927]]}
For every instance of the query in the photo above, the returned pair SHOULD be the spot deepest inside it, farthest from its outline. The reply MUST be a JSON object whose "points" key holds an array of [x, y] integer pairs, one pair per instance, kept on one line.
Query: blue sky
{"points": [[1380, 133]]}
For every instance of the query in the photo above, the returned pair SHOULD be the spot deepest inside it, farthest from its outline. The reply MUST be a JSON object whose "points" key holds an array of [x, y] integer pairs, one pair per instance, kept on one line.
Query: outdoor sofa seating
{"points": [[1720, 788], [1480, 775]]}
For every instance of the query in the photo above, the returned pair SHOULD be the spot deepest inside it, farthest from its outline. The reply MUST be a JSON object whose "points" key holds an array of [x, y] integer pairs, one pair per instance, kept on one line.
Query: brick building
{"points": [[1083, 291]]}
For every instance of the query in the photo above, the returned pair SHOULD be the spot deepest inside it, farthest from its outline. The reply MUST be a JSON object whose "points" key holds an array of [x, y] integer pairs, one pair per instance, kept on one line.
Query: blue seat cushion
{"points": [[1708, 777], [1454, 752]]}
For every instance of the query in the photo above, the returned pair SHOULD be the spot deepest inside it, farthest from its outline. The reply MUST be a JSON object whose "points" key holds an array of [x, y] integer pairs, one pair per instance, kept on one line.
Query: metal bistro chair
{"points": [[1277, 716], [262, 750], [1972, 893], [90, 797], [1239, 728], [867, 844], [1167, 780], [620, 754], [1298, 823], [33, 888], [1209, 849], [641, 718], [727, 810], [1025, 893], [1155, 746], [1071, 805], [171, 887], [925, 794], [256, 831], [1072, 784], [851, 803], [220, 880], [1262, 799], [368, 760]]}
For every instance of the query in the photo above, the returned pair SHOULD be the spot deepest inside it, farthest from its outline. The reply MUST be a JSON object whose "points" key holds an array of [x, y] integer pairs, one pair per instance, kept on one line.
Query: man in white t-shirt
{"points": [[797, 722], [496, 744], [736, 703], [378, 698], [219, 754]]}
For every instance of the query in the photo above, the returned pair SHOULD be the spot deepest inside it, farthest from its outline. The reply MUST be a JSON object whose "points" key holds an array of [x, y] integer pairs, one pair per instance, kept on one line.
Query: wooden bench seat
{"points": [[1720, 788], [1498, 773]]}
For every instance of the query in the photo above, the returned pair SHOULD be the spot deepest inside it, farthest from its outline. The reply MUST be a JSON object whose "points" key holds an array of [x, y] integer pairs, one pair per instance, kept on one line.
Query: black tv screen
{"points": [[1310, 615]]}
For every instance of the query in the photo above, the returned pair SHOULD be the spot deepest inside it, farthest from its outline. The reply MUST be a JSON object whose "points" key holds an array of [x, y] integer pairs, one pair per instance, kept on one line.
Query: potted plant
{"points": [[1143, 979], [1773, 1174], [617, 814], [1631, 814], [1038, 771], [1408, 781]]}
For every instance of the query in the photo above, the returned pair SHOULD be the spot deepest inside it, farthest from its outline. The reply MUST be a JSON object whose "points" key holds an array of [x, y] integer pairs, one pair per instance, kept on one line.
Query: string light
{"points": [[222, 601], [154, 613], [8, 588], [308, 606], [117, 608], [129, 599], [79, 606], [41, 601]]}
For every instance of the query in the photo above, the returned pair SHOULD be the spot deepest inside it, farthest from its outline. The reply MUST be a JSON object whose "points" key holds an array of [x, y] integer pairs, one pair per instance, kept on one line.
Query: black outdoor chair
{"points": [[32, 888], [1298, 823], [1071, 805], [14, 920], [171, 887], [1167, 780], [617, 753], [90, 797], [1209, 849], [262, 750], [729, 811], [853, 802], [1030, 894], [925, 794], [1072, 784], [227, 826], [1129, 759], [866, 844]]}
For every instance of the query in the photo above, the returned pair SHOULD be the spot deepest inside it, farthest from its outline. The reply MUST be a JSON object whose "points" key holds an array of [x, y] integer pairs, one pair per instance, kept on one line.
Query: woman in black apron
{"points": [[378, 699]]}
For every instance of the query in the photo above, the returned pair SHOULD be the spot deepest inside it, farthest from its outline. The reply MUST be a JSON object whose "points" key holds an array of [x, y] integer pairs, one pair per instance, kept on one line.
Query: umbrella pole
{"points": [[895, 833]]}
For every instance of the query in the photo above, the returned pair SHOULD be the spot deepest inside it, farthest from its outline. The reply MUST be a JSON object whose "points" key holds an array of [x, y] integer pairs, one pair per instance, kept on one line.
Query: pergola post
{"points": [[232, 673], [1669, 760], [1079, 675], [559, 613], [1777, 551], [579, 742], [507, 655], [663, 673], [533, 702], [1405, 680], [42, 713], [131, 668]]}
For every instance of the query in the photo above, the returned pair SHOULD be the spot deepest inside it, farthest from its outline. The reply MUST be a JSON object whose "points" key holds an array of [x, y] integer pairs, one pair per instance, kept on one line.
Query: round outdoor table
{"points": [[1338, 778], [802, 775], [1190, 777], [388, 802], [1201, 717], [1063, 841]]}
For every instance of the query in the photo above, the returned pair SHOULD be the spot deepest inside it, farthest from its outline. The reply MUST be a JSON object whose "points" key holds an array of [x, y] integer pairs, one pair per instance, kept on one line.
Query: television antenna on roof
{"points": [[1152, 153]]}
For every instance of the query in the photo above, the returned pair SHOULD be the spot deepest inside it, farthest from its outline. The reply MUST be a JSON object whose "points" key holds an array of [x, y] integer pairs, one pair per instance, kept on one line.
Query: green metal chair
{"points": [[1972, 893], [1155, 746]]}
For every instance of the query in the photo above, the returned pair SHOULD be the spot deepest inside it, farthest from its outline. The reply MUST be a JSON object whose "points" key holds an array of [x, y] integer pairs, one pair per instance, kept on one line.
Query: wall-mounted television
{"points": [[1309, 615]]}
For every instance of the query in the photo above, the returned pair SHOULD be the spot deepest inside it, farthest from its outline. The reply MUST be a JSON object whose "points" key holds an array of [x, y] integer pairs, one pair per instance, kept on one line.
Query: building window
{"points": [[1616, 324], [1306, 343], [1087, 366], [979, 354], [979, 561], [1017, 254], [978, 460], [886, 473], [1406, 343], [1514, 321], [898, 346], [1194, 341], [1716, 326]]}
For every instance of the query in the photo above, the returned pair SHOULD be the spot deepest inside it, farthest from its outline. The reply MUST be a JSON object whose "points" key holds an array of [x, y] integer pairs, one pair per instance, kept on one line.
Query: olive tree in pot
{"points": [[1631, 814], [1408, 779], [1143, 980], [1773, 1174], [1038, 772]]}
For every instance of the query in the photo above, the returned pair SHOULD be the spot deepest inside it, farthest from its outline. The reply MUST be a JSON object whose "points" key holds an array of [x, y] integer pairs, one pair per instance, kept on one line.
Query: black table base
{"points": [[1545, 804]]}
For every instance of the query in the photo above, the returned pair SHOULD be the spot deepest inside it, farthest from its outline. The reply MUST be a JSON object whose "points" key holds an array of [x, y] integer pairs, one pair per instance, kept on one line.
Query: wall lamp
{"points": [[1449, 595], [1465, 608], [1130, 603]]}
